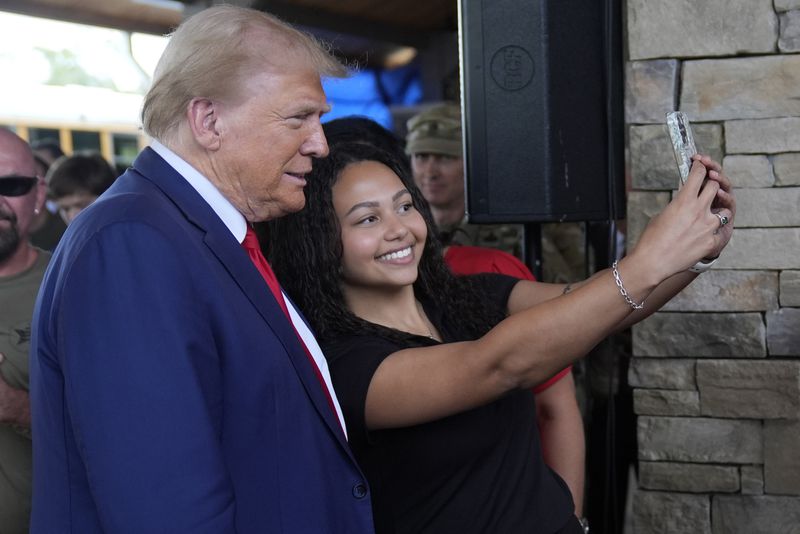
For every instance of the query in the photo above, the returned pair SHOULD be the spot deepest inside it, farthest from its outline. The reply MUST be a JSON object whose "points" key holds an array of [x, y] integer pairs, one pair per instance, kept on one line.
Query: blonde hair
{"points": [[209, 55]]}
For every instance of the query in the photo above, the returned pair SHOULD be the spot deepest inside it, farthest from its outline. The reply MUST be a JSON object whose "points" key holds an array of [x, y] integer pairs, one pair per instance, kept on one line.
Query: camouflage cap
{"points": [[435, 131]]}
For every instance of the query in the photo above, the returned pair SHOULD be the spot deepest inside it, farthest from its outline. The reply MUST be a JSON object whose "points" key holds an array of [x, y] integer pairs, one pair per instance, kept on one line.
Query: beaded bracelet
{"points": [[622, 290]]}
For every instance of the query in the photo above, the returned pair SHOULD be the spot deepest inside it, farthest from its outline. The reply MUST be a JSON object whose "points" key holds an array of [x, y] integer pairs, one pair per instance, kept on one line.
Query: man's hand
{"points": [[15, 406]]}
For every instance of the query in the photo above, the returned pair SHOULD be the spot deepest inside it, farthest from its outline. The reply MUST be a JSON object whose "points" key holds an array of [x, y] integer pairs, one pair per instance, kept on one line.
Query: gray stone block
{"points": [[749, 171], [757, 248], [782, 457], [762, 208], [733, 514], [790, 288], [752, 479], [783, 332], [643, 206], [741, 88], [787, 169], [666, 402], [656, 512], [708, 139], [789, 40], [756, 389], [700, 439], [786, 5], [685, 28], [651, 89], [662, 373], [765, 136], [652, 161], [701, 334], [728, 291], [689, 478]]}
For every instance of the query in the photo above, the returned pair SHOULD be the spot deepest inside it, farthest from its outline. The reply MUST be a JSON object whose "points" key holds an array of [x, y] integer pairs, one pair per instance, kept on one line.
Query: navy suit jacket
{"points": [[169, 391]]}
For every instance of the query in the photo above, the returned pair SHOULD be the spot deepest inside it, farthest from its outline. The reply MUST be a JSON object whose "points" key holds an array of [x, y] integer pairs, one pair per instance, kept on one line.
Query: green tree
{"points": [[66, 70]]}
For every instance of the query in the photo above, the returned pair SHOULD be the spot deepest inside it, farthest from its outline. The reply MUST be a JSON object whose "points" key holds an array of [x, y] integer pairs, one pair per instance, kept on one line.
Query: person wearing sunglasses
{"points": [[22, 266]]}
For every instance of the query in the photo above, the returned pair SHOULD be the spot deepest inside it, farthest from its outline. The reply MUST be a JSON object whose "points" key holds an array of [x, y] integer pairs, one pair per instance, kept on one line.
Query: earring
{"points": [[36, 211]]}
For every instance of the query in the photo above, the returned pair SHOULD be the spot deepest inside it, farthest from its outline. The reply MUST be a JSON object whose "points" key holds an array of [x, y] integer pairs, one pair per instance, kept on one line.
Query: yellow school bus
{"points": [[118, 144], [78, 119]]}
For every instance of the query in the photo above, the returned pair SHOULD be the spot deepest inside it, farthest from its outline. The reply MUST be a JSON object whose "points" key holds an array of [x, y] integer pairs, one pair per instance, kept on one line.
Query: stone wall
{"points": [[716, 373]]}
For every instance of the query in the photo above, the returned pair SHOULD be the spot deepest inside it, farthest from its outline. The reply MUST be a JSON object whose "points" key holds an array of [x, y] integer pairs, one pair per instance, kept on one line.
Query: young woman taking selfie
{"points": [[434, 371]]}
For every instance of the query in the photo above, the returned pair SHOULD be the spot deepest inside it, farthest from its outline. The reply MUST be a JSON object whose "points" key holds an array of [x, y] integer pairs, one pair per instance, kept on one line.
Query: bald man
{"points": [[22, 196]]}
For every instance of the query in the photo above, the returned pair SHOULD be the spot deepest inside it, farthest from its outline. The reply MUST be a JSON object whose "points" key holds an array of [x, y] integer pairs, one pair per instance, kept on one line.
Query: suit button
{"points": [[359, 491]]}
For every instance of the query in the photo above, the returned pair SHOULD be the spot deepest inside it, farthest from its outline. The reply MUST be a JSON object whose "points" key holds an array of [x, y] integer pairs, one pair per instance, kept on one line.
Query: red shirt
{"points": [[473, 260]]}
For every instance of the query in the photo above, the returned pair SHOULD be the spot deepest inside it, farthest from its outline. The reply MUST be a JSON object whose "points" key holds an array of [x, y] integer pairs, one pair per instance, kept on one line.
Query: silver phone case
{"points": [[680, 132]]}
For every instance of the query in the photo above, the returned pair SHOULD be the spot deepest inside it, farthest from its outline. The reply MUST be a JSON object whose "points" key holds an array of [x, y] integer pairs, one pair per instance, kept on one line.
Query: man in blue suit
{"points": [[171, 390]]}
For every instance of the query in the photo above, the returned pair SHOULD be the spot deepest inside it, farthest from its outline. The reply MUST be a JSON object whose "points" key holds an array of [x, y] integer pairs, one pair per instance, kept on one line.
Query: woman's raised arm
{"points": [[550, 330]]}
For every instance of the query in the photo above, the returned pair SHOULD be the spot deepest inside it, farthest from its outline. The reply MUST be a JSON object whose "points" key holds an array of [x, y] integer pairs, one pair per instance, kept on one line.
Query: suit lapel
{"points": [[235, 260]]}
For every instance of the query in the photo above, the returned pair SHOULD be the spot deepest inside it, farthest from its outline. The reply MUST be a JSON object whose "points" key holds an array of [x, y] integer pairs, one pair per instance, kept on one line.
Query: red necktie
{"points": [[253, 249]]}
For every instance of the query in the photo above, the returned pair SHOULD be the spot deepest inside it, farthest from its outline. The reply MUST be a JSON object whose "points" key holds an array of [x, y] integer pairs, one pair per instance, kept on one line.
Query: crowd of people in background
{"points": [[73, 182], [400, 370]]}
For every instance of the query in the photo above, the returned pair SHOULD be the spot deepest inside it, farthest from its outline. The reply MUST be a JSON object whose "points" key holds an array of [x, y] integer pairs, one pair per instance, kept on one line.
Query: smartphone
{"points": [[680, 132]]}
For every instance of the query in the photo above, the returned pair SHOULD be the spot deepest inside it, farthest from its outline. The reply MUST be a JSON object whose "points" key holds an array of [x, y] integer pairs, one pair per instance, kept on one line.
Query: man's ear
{"points": [[41, 195], [202, 115]]}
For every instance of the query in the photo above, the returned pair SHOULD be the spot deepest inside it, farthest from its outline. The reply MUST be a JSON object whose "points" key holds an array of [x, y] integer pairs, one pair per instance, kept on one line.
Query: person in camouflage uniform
{"points": [[434, 144]]}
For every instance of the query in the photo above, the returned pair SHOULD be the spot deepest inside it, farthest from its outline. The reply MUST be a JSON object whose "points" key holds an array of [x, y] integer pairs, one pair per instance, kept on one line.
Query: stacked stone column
{"points": [[716, 373]]}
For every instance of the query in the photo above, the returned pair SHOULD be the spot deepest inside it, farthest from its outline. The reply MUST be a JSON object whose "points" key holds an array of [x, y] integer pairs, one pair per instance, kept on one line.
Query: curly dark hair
{"points": [[305, 250]]}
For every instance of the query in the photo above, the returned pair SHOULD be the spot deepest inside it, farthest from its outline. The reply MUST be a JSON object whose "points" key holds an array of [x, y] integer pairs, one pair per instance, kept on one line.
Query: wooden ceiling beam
{"points": [[119, 14], [330, 21]]}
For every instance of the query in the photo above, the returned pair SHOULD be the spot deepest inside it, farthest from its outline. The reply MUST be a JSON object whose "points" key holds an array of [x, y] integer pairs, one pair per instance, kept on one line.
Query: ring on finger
{"points": [[723, 219]]}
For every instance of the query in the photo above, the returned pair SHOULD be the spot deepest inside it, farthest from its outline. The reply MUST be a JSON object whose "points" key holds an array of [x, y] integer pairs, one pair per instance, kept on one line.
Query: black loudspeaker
{"points": [[542, 110]]}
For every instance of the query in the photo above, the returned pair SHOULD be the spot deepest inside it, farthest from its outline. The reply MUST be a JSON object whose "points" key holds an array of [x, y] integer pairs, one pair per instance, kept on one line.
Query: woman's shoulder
{"points": [[359, 344], [353, 360]]}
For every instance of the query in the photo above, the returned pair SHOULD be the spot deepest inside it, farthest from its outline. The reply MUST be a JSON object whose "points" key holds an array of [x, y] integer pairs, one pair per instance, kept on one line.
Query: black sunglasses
{"points": [[16, 186]]}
